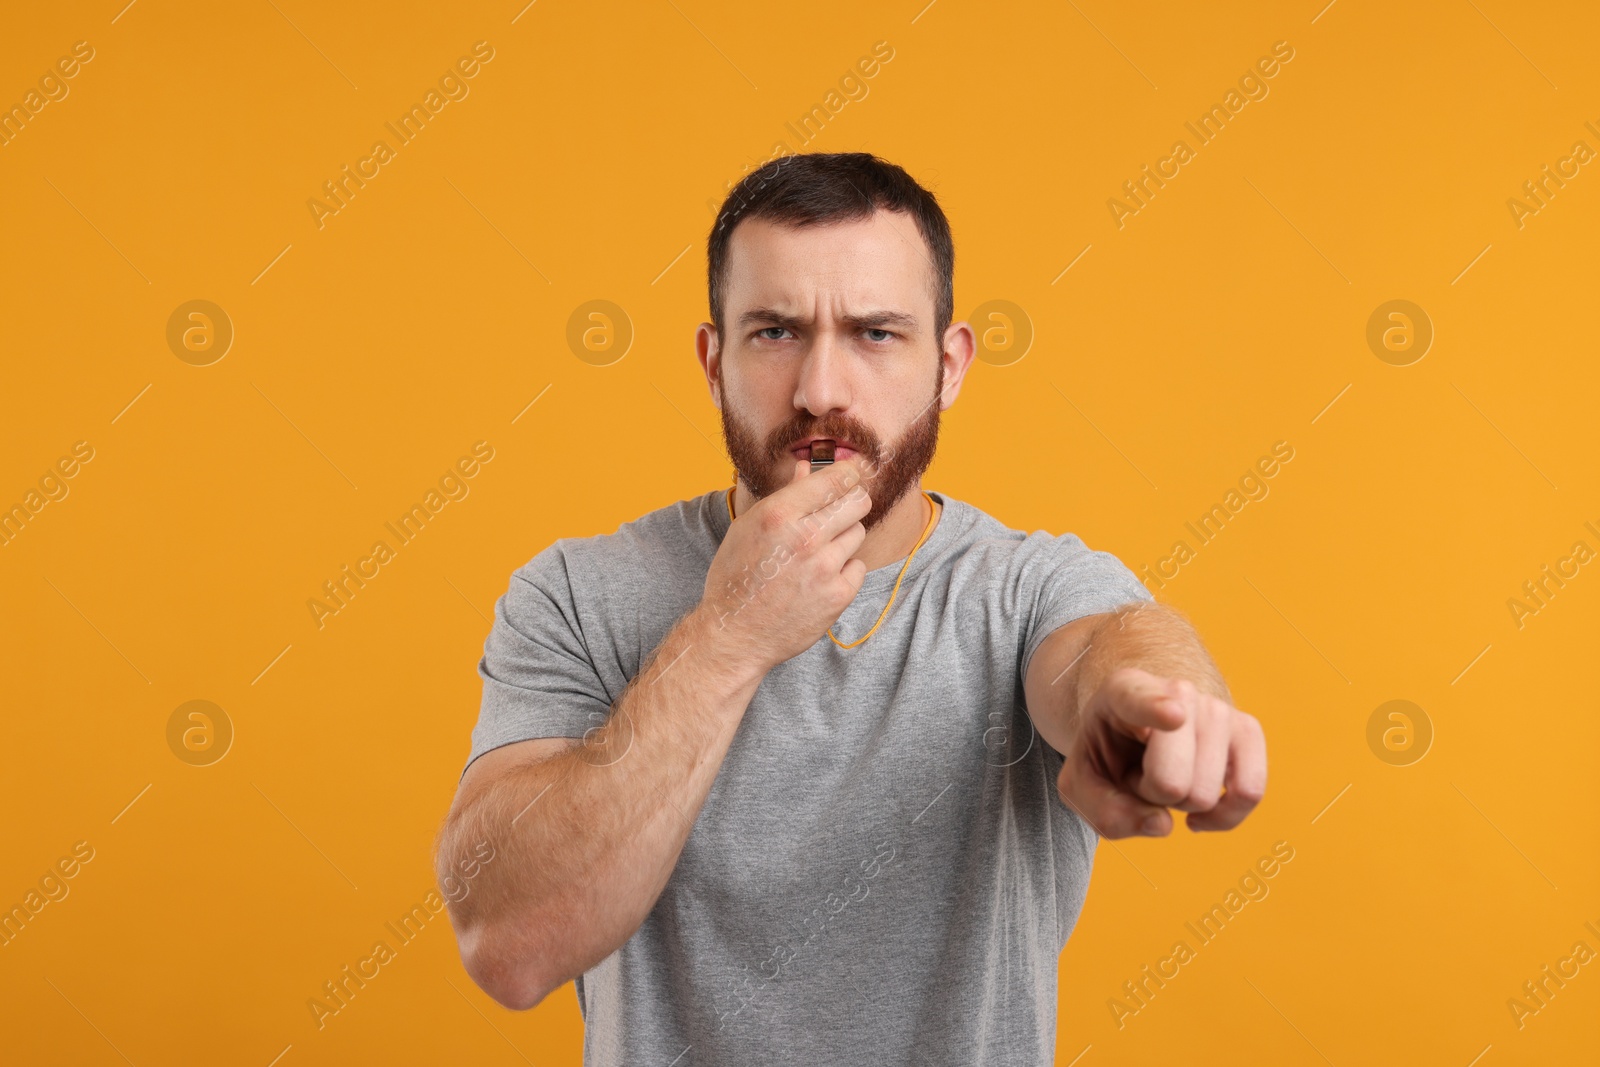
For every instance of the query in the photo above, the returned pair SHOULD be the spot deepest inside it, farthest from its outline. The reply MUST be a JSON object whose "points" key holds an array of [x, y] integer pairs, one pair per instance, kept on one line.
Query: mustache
{"points": [[867, 443], [839, 429]]}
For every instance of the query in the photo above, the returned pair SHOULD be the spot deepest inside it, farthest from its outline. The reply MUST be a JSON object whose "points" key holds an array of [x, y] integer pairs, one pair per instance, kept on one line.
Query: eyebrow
{"points": [[866, 320]]}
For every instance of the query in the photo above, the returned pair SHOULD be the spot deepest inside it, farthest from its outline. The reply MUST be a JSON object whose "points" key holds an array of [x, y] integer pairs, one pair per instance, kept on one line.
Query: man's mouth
{"points": [[842, 449]]}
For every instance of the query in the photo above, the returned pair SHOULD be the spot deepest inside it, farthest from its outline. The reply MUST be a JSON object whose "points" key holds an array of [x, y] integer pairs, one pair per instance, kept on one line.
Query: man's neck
{"points": [[891, 540]]}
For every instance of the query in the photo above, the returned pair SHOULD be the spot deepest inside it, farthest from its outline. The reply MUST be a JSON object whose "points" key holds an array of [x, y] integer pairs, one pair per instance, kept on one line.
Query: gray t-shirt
{"points": [[883, 870]]}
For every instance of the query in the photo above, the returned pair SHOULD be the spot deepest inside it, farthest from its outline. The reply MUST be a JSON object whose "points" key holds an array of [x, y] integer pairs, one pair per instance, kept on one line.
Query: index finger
{"points": [[812, 492]]}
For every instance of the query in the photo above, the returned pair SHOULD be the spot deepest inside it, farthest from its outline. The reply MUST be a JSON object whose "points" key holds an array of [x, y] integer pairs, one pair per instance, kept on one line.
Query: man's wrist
{"points": [[718, 648], [1152, 638]]}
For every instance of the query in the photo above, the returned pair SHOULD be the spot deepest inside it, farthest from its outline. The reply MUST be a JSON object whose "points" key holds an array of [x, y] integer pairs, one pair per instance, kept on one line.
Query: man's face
{"points": [[828, 332]]}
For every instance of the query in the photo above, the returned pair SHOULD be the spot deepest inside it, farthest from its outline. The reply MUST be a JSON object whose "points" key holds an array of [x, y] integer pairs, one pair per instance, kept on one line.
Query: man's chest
{"points": [[838, 774]]}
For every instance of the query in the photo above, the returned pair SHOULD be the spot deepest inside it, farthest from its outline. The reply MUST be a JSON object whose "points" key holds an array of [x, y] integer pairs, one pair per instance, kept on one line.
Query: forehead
{"points": [[881, 261]]}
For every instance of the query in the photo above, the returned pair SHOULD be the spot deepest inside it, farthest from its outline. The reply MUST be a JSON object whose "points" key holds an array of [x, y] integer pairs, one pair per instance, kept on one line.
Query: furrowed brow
{"points": [[765, 317], [866, 320], [873, 320]]}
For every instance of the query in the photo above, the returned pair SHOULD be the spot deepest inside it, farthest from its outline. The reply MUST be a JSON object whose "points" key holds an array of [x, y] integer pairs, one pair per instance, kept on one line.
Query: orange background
{"points": [[369, 354]]}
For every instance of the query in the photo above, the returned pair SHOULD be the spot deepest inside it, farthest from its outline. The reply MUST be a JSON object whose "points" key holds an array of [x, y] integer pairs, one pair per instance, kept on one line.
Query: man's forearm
{"points": [[585, 841]]}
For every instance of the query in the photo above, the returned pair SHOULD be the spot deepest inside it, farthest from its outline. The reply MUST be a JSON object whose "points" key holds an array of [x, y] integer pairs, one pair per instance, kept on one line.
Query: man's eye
{"points": [[874, 330], [765, 333]]}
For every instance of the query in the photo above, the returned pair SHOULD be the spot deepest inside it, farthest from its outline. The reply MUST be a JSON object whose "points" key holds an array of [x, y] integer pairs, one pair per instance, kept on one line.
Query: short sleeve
{"points": [[538, 677], [1063, 579]]}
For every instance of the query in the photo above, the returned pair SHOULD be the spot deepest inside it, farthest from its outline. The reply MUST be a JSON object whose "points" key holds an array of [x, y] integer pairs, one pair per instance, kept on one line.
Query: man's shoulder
{"points": [[679, 536], [972, 518], [981, 536], [986, 554]]}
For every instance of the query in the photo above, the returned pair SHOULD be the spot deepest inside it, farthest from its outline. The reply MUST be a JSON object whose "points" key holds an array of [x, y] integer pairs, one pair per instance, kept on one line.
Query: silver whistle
{"points": [[821, 455]]}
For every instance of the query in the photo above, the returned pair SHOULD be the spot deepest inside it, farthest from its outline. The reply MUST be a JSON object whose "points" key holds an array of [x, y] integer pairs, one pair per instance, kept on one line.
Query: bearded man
{"points": [[811, 769]]}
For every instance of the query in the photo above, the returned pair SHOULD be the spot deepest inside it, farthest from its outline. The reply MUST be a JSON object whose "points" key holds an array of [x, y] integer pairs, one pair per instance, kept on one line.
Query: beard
{"points": [[766, 465]]}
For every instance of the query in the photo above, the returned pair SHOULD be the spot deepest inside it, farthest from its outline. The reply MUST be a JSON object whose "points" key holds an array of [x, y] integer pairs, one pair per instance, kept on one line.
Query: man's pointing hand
{"points": [[1145, 744]]}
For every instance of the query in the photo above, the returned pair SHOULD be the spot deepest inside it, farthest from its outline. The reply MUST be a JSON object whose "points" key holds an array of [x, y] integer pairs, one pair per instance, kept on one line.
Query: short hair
{"points": [[813, 188]]}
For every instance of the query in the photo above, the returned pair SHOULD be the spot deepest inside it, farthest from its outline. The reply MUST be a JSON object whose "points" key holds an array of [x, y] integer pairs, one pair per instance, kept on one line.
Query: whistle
{"points": [[821, 455]]}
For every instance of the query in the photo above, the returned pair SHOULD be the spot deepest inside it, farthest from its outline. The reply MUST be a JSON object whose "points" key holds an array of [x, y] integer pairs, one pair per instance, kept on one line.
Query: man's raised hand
{"points": [[786, 569], [1145, 744]]}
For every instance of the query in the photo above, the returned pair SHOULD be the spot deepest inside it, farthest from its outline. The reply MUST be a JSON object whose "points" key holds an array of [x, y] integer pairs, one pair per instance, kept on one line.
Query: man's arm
{"points": [[584, 837], [1144, 722], [585, 840]]}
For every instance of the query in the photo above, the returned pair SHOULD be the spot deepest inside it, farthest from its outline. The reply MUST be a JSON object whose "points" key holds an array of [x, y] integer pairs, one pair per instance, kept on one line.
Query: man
{"points": [[811, 769]]}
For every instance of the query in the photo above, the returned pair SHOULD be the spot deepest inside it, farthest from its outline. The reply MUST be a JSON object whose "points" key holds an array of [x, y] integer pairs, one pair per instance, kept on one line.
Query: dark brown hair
{"points": [[813, 188]]}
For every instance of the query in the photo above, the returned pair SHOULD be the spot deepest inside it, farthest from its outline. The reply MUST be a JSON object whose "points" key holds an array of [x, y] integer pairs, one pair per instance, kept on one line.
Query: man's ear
{"points": [[960, 346], [708, 348]]}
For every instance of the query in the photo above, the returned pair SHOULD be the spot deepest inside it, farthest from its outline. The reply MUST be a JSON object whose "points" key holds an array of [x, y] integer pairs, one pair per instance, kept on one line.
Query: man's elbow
{"points": [[514, 980]]}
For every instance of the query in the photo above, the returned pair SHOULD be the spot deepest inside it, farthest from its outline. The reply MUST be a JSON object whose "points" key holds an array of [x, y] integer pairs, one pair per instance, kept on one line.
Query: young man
{"points": [[811, 769]]}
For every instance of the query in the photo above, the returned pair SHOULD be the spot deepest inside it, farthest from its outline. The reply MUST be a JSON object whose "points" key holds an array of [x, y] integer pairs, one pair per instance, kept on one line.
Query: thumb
{"points": [[1110, 810]]}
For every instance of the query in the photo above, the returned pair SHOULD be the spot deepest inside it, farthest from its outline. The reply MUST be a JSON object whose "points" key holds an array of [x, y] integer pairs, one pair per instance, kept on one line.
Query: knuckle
{"points": [[1165, 786], [773, 521], [809, 526], [1249, 792]]}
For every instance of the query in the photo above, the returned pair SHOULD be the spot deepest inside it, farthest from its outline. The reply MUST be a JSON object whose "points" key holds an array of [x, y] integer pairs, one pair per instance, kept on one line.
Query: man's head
{"points": [[831, 288]]}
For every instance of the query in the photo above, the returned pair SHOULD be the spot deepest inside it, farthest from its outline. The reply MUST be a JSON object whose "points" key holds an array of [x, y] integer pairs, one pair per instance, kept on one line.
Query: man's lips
{"points": [[841, 450]]}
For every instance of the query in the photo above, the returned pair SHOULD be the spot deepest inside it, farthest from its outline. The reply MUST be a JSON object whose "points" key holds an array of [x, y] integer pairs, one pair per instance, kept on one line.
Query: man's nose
{"points": [[823, 386]]}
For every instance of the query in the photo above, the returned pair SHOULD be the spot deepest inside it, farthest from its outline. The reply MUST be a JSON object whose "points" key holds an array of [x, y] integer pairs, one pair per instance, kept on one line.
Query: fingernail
{"points": [[1151, 826]]}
